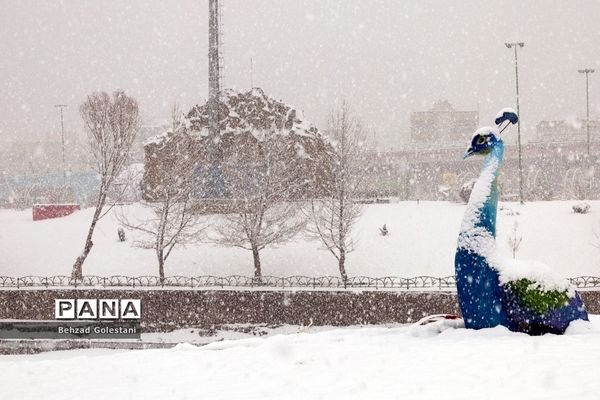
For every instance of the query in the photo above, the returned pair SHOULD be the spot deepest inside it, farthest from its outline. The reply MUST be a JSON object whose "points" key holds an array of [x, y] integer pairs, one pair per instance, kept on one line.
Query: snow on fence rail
{"points": [[417, 282]]}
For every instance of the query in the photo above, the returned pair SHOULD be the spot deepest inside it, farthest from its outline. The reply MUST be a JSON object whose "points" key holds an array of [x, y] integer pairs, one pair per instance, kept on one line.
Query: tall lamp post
{"points": [[587, 73], [62, 137], [516, 45]]}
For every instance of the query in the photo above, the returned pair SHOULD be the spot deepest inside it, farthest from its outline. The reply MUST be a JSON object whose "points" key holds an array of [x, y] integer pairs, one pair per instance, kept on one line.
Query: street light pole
{"points": [[587, 73], [516, 45], [62, 137]]}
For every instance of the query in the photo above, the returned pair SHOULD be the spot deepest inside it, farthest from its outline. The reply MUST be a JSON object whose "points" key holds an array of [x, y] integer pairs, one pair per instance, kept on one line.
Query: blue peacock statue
{"points": [[524, 297]]}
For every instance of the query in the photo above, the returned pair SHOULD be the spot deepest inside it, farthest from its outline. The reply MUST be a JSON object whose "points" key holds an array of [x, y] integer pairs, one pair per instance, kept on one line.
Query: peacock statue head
{"points": [[486, 138], [483, 141]]}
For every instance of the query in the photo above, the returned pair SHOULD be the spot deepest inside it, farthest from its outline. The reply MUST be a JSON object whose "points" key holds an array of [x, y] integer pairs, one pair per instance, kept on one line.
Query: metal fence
{"points": [[239, 281]]}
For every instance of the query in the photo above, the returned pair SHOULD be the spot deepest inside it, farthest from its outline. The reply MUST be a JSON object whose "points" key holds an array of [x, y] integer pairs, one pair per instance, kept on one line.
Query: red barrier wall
{"points": [[45, 211]]}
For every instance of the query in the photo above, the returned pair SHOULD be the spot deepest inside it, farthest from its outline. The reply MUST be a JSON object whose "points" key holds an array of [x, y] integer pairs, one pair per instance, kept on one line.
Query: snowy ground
{"points": [[422, 241], [350, 363]]}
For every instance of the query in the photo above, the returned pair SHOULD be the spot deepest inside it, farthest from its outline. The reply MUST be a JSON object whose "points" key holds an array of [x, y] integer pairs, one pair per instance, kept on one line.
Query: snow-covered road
{"points": [[351, 363]]}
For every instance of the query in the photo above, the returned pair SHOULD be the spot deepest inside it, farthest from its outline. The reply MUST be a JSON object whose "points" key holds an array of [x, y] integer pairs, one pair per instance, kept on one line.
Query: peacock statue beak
{"points": [[469, 153]]}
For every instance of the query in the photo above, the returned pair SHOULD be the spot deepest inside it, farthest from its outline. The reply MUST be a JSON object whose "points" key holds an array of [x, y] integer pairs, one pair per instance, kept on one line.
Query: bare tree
{"points": [[112, 124], [332, 218], [174, 219], [173, 222], [263, 186], [514, 241]]}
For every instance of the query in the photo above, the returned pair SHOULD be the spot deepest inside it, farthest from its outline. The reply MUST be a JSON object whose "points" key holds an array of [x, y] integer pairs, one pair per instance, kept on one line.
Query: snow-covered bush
{"points": [[121, 234], [384, 230], [581, 208]]}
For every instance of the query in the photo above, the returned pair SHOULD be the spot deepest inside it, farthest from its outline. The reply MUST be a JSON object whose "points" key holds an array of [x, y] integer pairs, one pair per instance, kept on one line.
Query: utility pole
{"points": [[62, 137], [587, 73], [516, 45]]}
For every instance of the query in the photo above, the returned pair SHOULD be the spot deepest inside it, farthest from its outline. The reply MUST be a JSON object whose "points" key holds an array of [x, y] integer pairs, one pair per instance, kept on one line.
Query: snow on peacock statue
{"points": [[493, 290]]}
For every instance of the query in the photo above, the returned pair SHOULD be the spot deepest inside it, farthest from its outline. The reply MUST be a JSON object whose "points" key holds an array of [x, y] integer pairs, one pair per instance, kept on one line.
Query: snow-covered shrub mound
{"points": [[252, 112], [249, 124], [581, 208], [541, 275]]}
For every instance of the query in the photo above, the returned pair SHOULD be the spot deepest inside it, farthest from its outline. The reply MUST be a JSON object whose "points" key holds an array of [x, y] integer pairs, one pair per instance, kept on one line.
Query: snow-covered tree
{"points": [[173, 219], [112, 124], [333, 217], [263, 188], [171, 222]]}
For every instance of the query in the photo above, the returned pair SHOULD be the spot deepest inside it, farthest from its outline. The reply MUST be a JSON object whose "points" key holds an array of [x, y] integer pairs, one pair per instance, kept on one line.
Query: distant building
{"points": [[442, 124], [567, 131]]}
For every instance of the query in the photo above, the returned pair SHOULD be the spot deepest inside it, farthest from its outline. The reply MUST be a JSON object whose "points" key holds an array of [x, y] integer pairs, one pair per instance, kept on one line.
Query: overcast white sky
{"points": [[387, 57]]}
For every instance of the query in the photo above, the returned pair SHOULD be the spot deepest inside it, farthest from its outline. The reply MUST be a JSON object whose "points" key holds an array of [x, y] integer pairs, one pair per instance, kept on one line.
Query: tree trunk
{"points": [[161, 266], [342, 266], [160, 239], [257, 268], [77, 272]]}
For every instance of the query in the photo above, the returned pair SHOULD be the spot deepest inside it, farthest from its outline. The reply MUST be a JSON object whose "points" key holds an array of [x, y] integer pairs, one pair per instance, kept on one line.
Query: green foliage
{"points": [[532, 296]]}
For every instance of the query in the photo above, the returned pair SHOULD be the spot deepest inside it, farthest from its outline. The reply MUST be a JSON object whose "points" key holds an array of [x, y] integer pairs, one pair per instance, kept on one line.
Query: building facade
{"points": [[574, 131], [551, 171], [442, 124]]}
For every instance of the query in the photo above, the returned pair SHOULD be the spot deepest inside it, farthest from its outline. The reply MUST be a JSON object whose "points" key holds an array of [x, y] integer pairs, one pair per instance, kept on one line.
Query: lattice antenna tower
{"points": [[221, 35], [214, 65]]}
